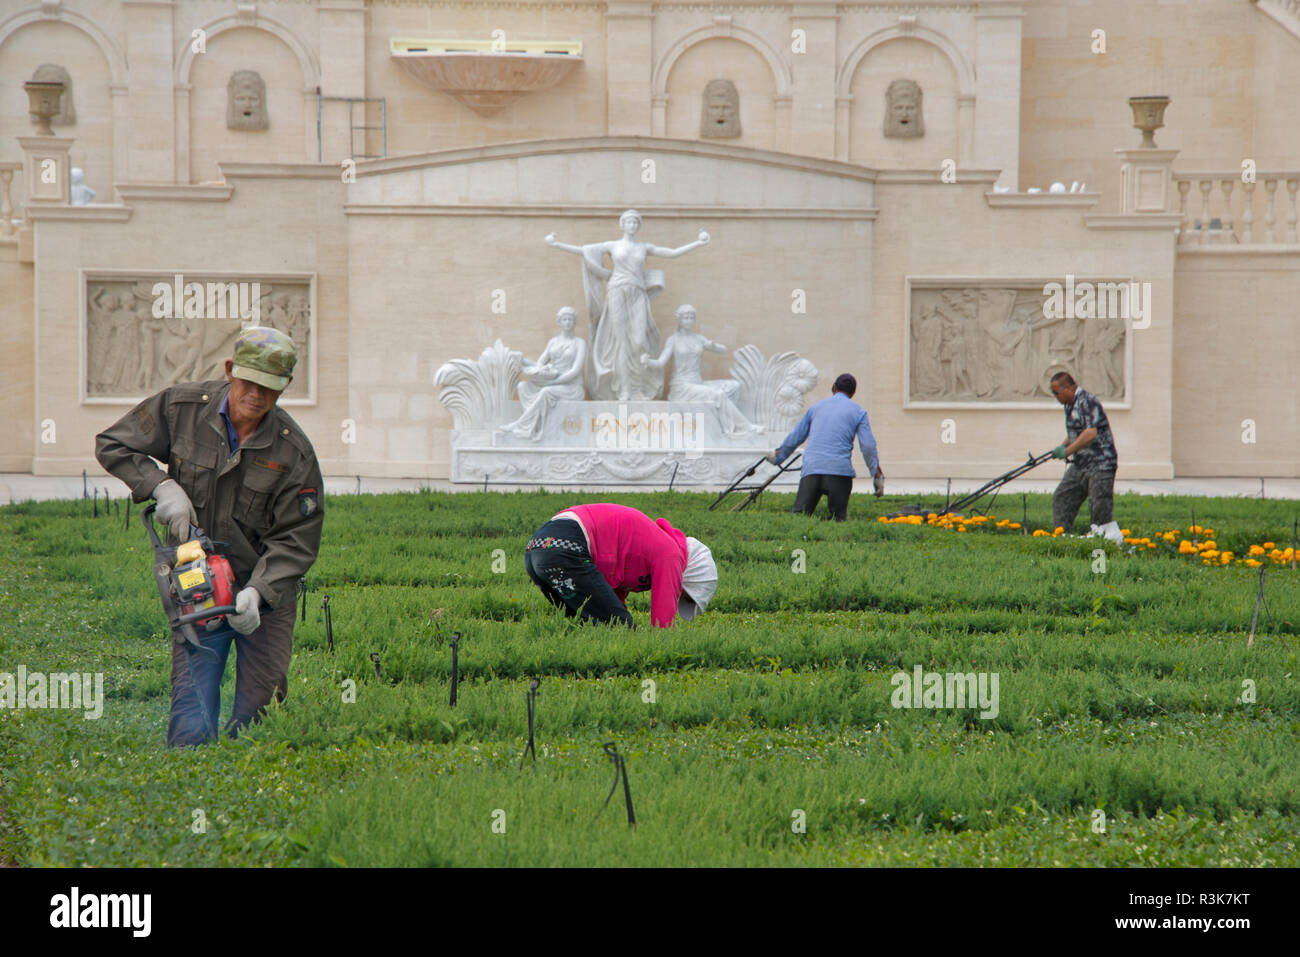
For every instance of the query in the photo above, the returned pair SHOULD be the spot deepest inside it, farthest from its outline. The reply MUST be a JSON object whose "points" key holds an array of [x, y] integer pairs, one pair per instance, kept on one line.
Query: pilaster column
{"points": [[813, 114], [150, 155], [629, 55]]}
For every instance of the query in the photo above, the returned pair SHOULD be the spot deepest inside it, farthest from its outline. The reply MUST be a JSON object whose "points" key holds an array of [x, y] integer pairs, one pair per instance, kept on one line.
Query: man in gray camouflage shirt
{"points": [[1091, 473]]}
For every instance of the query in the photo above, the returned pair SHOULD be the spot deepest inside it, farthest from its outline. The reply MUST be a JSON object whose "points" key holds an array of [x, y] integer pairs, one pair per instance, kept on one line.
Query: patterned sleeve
{"points": [[1092, 415]]}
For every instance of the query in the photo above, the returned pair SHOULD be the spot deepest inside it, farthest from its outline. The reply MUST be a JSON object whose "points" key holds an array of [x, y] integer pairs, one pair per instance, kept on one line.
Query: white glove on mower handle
{"points": [[247, 617], [174, 509]]}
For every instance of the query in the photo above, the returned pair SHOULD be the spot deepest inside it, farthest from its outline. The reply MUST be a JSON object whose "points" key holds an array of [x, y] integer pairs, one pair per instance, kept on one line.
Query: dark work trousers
{"points": [[836, 488], [1096, 485], [559, 563], [261, 672]]}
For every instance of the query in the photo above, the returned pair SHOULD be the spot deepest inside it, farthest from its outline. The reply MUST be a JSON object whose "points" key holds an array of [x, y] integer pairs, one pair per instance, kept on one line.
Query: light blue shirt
{"points": [[231, 435], [829, 426]]}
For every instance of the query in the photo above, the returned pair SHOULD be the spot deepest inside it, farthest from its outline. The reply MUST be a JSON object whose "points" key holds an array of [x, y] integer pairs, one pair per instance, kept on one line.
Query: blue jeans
{"points": [[261, 673]]}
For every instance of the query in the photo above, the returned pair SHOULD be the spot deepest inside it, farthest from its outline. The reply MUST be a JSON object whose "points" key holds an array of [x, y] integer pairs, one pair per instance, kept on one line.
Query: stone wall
{"points": [[1232, 74], [404, 266], [1237, 364], [17, 388], [282, 228]]}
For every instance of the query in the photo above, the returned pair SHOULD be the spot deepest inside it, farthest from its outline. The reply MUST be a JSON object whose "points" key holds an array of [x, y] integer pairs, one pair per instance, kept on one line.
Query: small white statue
{"points": [[556, 375], [686, 347], [82, 195], [622, 326]]}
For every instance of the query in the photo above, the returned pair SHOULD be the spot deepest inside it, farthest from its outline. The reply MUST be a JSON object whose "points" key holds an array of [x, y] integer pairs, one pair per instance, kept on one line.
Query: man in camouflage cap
{"points": [[240, 468]]}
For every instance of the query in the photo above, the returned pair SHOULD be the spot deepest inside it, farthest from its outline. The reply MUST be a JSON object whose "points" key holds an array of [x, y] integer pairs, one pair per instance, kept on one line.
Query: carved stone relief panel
{"points": [[144, 333], [995, 344]]}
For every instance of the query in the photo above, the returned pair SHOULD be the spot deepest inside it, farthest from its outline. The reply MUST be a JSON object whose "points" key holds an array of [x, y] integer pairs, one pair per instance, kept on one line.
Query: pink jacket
{"points": [[634, 553]]}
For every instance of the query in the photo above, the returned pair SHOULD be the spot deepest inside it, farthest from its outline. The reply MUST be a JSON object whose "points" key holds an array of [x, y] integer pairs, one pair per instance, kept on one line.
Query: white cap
{"points": [[699, 580]]}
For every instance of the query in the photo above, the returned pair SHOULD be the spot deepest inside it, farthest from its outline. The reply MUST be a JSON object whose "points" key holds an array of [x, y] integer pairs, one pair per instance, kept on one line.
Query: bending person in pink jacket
{"points": [[587, 558]]}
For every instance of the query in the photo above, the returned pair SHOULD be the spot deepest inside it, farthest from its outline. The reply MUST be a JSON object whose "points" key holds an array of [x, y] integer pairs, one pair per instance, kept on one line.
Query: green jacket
{"points": [[263, 501]]}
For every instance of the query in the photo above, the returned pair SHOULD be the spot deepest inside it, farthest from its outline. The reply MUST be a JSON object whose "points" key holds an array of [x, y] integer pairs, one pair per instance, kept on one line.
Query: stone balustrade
{"points": [[1219, 208], [7, 170]]}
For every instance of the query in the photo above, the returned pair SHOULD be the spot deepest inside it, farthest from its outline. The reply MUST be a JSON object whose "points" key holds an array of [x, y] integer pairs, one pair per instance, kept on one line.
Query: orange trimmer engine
{"points": [[195, 583]]}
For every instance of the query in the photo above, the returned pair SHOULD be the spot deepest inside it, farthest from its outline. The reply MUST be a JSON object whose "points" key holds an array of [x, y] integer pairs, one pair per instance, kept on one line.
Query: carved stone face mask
{"points": [[246, 94], [903, 119], [720, 116]]}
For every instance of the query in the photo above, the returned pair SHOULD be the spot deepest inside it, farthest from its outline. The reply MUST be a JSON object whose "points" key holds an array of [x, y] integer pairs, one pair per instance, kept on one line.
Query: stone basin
{"points": [[483, 78]]}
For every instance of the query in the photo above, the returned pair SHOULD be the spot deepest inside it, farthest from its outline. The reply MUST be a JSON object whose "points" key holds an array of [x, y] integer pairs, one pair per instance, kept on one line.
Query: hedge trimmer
{"points": [[195, 583]]}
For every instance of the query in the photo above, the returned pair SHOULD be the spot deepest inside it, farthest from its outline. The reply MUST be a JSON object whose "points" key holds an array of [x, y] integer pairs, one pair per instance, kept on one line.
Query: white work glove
{"points": [[246, 617], [773, 456], [174, 509], [879, 482]]}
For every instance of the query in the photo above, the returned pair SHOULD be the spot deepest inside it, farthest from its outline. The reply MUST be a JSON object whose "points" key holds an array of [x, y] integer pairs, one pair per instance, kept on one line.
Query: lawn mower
{"points": [[967, 501], [754, 490], [195, 583]]}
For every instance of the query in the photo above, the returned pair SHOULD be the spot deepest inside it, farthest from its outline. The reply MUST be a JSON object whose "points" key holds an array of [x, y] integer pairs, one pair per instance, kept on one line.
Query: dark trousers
{"points": [[1096, 485], [836, 488], [568, 577], [261, 673]]}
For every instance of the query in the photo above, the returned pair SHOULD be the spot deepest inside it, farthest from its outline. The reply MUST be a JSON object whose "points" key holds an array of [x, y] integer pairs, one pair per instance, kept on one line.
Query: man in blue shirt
{"points": [[830, 426]]}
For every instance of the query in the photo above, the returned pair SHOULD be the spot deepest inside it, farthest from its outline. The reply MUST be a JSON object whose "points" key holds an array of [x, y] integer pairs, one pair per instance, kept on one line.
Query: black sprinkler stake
{"points": [[1262, 602], [374, 656], [455, 665], [620, 771], [329, 623], [532, 714]]}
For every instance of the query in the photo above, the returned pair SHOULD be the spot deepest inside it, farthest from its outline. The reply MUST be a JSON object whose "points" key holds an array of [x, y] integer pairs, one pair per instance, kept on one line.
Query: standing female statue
{"points": [[556, 375], [685, 347], [622, 325]]}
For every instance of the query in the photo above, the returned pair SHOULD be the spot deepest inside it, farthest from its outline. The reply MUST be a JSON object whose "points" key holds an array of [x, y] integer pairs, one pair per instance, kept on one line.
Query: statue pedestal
{"points": [[614, 443]]}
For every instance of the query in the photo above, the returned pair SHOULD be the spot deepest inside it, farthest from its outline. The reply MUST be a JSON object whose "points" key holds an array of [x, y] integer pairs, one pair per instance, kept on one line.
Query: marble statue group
{"points": [[507, 407]]}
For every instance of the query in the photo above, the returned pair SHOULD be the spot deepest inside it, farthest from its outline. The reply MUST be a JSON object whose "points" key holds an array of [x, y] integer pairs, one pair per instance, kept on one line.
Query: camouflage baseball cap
{"points": [[265, 356]]}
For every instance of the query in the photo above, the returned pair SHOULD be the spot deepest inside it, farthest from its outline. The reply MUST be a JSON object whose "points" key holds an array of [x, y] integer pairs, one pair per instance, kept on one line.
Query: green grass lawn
{"points": [[771, 737]]}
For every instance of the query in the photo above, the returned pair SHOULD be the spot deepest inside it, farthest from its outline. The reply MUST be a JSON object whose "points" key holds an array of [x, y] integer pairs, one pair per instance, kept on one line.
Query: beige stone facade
{"points": [[410, 222]]}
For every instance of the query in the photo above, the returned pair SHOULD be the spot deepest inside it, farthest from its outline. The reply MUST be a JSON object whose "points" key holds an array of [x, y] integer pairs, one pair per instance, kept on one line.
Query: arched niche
{"points": [[763, 80], [291, 74], [947, 80], [29, 38]]}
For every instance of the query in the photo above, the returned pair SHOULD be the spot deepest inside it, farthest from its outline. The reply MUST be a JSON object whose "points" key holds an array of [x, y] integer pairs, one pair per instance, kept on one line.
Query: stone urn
{"points": [[1148, 116], [43, 102]]}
